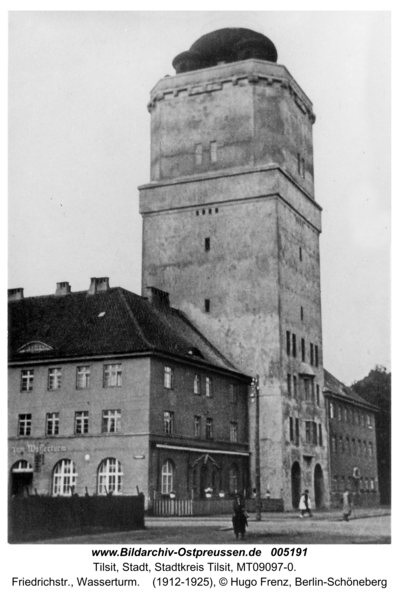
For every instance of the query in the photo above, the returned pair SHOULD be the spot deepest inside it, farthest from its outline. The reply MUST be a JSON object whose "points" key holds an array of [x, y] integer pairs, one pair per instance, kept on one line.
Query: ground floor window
{"points": [[233, 479], [110, 477], [64, 478], [167, 477]]}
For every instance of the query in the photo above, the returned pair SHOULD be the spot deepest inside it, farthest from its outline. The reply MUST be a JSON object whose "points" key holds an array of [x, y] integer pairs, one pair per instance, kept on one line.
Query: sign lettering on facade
{"points": [[41, 449]]}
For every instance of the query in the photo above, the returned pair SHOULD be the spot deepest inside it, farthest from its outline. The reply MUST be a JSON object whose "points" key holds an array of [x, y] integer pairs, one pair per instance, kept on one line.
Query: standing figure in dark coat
{"points": [[240, 520]]}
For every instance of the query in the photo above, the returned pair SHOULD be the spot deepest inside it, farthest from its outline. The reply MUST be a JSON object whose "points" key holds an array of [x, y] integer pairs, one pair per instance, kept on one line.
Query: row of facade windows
{"points": [[313, 432], [109, 476], [111, 423], [202, 386], [303, 389], [350, 415], [341, 483], [112, 377], [198, 428], [291, 347], [351, 446]]}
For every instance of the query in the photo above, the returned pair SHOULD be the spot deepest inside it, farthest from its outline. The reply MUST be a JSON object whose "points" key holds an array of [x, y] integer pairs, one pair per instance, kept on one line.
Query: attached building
{"points": [[353, 447], [110, 392]]}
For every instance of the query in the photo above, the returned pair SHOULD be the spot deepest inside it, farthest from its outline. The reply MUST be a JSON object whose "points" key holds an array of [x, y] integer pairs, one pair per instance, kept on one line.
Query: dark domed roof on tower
{"points": [[225, 46]]}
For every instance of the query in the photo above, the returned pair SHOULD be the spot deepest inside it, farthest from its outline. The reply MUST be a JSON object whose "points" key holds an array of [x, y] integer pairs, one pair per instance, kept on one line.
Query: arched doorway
{"points": [[295, 484], [21, 478], [318, 486]]}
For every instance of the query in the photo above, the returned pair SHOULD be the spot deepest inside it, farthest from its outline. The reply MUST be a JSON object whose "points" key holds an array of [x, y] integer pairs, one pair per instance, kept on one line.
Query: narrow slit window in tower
{"points": [[198, 154], [214, 152]]}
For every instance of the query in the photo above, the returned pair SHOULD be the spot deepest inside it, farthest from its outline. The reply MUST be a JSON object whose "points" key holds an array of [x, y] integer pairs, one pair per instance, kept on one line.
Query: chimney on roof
{"points": [[15, 294], [63, 288], [98, 284], [158, 298]]}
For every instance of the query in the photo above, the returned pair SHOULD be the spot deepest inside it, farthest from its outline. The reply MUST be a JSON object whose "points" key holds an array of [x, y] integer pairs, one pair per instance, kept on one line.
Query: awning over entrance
{"points": [[204, 459]]}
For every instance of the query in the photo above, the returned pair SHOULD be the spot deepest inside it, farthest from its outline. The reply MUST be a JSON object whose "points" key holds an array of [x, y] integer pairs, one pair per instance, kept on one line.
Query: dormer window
{"points": [[195, 352], [35, 347]]}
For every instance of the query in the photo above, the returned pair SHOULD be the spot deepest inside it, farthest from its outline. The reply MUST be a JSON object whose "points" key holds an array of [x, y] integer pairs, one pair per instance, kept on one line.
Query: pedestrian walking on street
{"points": [[240, 520], [305, 504], [346, 504]]}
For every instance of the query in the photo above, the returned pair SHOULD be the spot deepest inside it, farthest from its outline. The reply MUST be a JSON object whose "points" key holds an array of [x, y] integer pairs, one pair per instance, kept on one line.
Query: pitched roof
{"points": [[115, 321], [334, 386]]}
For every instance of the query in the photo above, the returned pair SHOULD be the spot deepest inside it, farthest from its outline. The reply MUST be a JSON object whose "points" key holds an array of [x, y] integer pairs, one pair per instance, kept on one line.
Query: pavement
{"points": [[319, 515], [366, 526]]}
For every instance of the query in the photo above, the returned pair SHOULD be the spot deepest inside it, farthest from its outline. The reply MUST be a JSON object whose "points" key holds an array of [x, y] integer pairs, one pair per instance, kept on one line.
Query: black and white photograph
{"points": [[199, 284]]}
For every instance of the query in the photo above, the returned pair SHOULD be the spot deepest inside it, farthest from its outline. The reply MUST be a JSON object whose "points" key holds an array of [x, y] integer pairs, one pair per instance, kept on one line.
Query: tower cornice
{"points": [[223, 173], [231, 185], [214, 79]]}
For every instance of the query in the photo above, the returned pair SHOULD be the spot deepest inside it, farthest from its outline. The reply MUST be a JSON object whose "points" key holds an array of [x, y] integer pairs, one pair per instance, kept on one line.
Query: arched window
{"points": [[64, 478], [233, 479], [110, 477], [167, 477]]}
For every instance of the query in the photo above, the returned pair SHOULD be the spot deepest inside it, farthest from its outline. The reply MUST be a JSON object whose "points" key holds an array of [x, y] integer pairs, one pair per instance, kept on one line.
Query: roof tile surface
{"points": [[333, 385], [72, 326]]}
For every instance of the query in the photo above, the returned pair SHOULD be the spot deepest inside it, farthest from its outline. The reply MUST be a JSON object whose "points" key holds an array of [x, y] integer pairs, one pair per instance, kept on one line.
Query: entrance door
{"points": [[21, 478], [318, 486], [295, 484]]}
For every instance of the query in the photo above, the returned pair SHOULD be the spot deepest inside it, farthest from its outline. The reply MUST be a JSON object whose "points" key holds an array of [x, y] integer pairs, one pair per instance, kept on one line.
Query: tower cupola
{"points": [[225, 46]]}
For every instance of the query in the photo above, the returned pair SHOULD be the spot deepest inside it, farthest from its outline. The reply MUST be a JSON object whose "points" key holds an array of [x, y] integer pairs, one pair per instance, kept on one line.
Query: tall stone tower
{"points": [[231, 230]]}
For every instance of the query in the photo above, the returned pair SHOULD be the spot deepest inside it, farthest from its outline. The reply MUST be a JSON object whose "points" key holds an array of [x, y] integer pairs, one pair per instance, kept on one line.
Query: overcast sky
{"points": [[79, 142]]}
